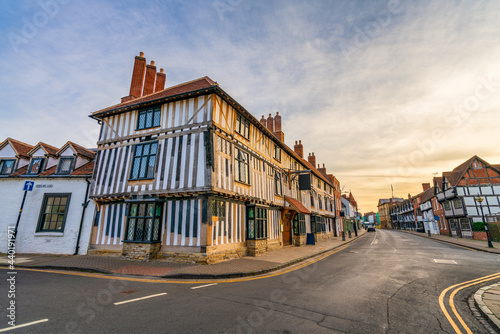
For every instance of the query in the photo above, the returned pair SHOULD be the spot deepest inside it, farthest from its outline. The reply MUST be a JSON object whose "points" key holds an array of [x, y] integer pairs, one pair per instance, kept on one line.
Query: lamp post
{"points": [[479, 199]]}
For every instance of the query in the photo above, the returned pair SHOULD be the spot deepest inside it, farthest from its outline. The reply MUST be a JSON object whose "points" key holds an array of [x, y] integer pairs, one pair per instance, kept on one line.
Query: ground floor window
{"points": [[318, 224], [143, 222], [53, 212], [299, 224], [256, 222]]}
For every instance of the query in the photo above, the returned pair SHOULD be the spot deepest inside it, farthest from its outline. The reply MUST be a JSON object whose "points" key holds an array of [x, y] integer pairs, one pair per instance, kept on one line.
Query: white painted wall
{"points": [[28, 241]]}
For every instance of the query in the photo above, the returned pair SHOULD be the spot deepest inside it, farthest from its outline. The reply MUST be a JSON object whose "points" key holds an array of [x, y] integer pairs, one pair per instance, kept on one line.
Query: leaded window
{"points": [[7, 166], [35, 166], [278, 190], [218, 209], [53, 212], [256, 222], [242, 172], [148, 118], [277, 152], [144, 161], [143, 222], [457, 203], [242, 126], [299, 224], [223, 145], [65, 165]]}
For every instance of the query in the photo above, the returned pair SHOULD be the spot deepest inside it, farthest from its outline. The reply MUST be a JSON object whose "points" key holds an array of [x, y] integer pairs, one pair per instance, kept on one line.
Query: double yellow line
{"points": [[457, 288]]}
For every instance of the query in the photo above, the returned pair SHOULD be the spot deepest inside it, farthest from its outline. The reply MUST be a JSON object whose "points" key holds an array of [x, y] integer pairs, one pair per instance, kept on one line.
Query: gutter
{"points": [[84, 205]]}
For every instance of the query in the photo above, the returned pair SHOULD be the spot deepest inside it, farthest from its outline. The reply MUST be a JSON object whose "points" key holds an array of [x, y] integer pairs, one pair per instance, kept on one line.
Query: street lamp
{"points": [[480, 200]]}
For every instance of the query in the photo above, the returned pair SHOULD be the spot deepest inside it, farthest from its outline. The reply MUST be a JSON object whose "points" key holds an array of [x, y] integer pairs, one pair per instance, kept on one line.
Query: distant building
{"points": [[384, 206]]}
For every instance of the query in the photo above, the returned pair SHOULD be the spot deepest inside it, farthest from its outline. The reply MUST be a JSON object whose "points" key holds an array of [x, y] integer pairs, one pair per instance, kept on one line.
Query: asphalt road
{"points": [[385, 282]]}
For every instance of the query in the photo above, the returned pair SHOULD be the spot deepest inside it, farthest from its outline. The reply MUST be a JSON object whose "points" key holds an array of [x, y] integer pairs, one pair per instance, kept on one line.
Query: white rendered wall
{"points": [[28, 240]]}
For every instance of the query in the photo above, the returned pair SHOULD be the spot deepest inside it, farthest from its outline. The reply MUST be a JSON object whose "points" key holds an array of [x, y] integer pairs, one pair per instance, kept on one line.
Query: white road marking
{"points": [[414, 243], [23, 325], [18, 260], [445, 261], [202, 286], [136, 299], [374, 241]]}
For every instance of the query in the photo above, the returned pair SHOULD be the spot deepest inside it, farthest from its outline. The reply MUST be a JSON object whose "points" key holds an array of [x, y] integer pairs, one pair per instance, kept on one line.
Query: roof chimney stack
{"points": [[137, 78], [149, 81], [270, 123], [161, 77], [299, 149], [312, 159], [322, 170], [277, 127], [426, 186], [263, 121]]}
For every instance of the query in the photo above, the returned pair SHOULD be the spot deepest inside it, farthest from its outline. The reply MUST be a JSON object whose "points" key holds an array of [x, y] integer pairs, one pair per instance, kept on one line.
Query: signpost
{"points": [[28, 186]]}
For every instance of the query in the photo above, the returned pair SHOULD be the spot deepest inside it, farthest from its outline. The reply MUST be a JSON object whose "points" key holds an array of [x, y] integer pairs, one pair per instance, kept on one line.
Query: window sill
{"points": [[49, 234], [243, 183], [141, 242]]}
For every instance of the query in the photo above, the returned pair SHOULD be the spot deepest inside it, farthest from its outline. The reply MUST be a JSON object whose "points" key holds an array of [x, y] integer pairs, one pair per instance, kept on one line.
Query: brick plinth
{"points": [[480, 236], [299, 240], [256, 247], [141, 251], [203, 258]]}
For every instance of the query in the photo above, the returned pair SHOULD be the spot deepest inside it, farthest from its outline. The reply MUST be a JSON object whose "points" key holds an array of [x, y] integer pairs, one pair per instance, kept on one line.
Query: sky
{"points": [[383, 92]]}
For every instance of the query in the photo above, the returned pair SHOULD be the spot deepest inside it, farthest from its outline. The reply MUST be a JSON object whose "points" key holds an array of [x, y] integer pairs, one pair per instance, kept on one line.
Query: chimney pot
{"points": [[152, 62], [141, 54], [162, 70]]}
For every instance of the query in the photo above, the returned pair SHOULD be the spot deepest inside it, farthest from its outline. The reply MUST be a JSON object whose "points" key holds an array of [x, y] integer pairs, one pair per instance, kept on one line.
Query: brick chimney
{"points": [[161, 77], [426, 186], [277, 127], [312, 159], [322, 170], [263, 121], [149, 81], [137, 78], [298, 148], [331, 177], [270, 123]]}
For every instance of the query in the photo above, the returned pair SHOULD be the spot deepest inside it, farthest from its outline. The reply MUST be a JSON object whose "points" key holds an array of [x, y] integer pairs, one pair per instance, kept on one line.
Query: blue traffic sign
{"points": [[28, 185]]}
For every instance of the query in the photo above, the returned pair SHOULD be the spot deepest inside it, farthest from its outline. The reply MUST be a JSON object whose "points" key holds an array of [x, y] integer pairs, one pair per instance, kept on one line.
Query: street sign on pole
{"points": [[28, 185]]}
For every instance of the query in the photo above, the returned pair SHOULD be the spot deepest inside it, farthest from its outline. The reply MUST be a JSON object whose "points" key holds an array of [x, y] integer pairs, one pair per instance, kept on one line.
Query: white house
{"points": [[430, 222], [57, 215]]}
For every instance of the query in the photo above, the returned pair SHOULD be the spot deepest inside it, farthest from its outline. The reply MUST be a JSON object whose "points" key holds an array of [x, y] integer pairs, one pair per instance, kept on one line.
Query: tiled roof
{"points": [[48, 171], [80, 150], [49, 149], [186, 87], [429, 193], [297, 205], [86, 169], [20, 148], [20, 171]]}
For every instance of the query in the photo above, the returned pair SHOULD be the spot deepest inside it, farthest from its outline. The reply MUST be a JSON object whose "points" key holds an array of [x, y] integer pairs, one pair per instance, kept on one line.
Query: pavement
{"points": [[487, 299], [240, 267]]}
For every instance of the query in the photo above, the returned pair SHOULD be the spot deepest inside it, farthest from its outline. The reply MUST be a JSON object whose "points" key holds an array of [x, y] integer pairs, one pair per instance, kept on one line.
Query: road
{"points": [[385, 282]]}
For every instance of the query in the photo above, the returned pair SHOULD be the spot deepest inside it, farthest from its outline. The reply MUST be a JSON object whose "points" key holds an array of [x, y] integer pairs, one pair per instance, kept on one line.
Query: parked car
{"points": [[370, 229]]}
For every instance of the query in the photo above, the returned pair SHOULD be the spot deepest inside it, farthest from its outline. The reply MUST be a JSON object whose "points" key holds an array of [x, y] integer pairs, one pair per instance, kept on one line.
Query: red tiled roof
{"points": [[20, 148], [48, 171], [86, 169], [49, 149], [80, 150], [186, 87], [20, 171], [428, 194], [297, 205]]}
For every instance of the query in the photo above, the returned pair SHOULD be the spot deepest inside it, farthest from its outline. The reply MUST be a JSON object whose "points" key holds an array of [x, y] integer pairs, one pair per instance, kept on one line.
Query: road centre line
{"points": [[137, 299], [203, 286], [23, 325], [374, 238], [459, 287]]}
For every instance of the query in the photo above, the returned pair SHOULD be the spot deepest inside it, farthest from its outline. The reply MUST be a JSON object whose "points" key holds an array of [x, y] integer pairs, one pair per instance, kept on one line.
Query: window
{"points": [[143, 165], [278, 190], [319, 183], [312, 199], [256, 222], [148, 118], [299, 224], [320, 203], [277, 152], [143, 222], [65, 165], [53, 212], [447, 206], [457, 203], [35, 166], [242, 126], [223, 145], [318, 224], [219, 209], [7, 166], [242, 170], [326, 204]]}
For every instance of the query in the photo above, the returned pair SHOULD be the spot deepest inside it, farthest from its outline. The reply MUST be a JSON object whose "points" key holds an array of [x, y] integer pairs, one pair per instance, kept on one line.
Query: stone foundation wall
{"points": [[104, 252], [274, 244], [320, 236], [256, 247], [299, 240], [211, 256], [140, 251]]}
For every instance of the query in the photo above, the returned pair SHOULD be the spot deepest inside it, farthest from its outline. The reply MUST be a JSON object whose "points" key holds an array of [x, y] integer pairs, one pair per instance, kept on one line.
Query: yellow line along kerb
{"points": [[457, 288]]}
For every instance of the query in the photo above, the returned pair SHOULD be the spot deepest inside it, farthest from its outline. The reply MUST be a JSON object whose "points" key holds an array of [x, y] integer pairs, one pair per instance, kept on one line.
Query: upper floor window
{"points": [[148, 118], [447, 206], [312, 199], [223, 145], [144, 161], [65, 165], [457, 203], [278, 190], [7, 166], [242, 126], [53, 213], [320, 203], [35, 166], [319, 183], [242, 170], [277, 152]]}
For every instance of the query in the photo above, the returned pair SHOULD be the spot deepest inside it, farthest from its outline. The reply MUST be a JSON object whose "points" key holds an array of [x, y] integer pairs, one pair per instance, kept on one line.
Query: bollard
{"points": [[429, 233], [349, 233], [343, 236]]}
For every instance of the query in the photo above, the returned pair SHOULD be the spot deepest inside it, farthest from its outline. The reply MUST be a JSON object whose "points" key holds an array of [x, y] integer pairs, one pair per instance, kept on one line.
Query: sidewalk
{"points": [[245, 266], [488, 301], [479, 245]]}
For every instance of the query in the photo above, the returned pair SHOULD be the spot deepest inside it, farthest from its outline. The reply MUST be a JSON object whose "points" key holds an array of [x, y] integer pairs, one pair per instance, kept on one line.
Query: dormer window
{"points": [[35, 166], [7, 166], [148, 118], [65, 165]]}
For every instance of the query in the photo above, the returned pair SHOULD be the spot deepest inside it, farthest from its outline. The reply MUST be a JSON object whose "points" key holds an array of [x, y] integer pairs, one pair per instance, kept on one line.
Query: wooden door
{"points": [[287, 231]]}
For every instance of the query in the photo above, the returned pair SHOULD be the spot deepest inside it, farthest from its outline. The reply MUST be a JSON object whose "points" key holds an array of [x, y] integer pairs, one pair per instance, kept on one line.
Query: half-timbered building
{"points": [[187, 172]]}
